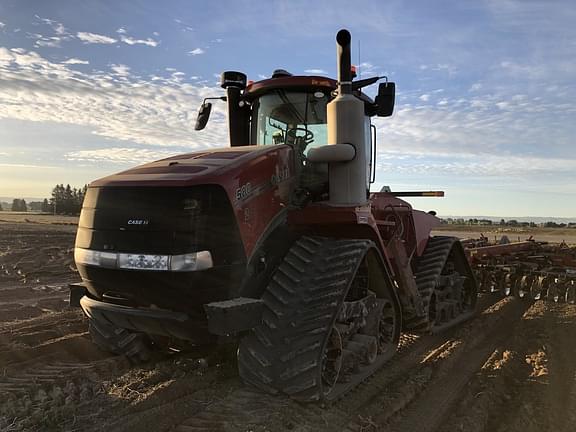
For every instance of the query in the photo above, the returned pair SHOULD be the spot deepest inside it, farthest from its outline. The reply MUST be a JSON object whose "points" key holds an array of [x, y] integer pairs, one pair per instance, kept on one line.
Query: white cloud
{"points": [[367, 68], [467, 165], [2, 25], [132, 41], [196, 51], [117, 105], [120, 70], [50, 42], [315, 71], [74, 61], [451, 70], [494, 123], [12, 165], [121, 30], [424, 97], [119, 155], [93, 38], [60, 29]]}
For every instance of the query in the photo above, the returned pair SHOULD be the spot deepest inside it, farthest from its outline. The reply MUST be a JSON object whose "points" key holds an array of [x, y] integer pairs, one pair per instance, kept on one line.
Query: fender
{"points": [[268, 251]]}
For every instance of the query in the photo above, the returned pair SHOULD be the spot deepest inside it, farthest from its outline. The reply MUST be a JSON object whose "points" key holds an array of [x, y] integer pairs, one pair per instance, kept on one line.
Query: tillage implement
{"points": [[274, 243], [527, 269]]}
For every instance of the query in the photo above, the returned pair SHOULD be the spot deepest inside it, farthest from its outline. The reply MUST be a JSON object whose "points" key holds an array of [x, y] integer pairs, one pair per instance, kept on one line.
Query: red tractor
{"points": [[274, 242]]}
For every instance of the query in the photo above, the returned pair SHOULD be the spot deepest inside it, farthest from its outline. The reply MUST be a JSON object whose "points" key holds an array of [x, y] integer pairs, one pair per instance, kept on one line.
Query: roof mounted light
{"points": [[281, 73]]}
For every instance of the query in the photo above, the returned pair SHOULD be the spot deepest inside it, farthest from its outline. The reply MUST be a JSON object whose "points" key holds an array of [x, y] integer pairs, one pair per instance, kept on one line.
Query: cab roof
{"points": [[257, 88]]}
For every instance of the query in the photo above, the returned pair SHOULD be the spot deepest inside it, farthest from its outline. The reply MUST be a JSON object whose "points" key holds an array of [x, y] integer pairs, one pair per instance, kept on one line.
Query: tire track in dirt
{"points": [[542, 390], [428, 410], [561, 393], [245, 409]]}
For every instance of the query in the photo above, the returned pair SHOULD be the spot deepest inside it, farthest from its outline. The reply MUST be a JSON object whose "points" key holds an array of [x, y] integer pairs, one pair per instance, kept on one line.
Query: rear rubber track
{"points": [[284, 353], [428, 271]]}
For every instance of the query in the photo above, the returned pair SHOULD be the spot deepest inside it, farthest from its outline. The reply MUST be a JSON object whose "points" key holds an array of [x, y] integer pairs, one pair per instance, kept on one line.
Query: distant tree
{"points": [[512, 222], [35, 205], [19, 205], [502, 222], [67, 200], [45, 206]]}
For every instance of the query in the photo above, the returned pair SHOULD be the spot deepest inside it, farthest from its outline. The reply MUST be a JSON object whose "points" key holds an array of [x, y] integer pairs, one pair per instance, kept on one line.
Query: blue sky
{"points": [[485, 89]]}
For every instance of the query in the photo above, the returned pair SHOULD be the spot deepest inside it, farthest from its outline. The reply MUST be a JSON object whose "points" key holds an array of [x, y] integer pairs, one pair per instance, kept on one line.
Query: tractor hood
{"points": [[257, 181], [218, 166]]}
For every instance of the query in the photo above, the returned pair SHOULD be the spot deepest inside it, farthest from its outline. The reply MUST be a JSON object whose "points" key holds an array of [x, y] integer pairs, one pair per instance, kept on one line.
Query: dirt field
{"points": [[512, 368]]}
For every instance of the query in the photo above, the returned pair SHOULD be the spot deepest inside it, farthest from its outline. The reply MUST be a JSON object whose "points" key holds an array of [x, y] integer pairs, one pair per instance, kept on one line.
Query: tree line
{"points": [[65, 200], [507, 223]]}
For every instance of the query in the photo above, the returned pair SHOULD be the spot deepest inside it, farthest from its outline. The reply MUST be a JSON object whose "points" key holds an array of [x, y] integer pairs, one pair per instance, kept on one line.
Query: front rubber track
{"points": [[135, 346], [284, 353]]}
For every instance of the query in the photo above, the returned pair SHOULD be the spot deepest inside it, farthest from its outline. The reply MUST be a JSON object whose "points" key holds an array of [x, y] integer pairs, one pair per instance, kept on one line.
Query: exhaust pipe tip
{"points": [[343, 37], [344, 61]]}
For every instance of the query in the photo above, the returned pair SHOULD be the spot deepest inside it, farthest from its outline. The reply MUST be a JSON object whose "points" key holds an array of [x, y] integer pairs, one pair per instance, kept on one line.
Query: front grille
{"points": [[158, 220]]}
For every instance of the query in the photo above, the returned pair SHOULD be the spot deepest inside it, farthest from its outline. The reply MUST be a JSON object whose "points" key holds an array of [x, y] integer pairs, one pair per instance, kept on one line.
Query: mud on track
{"points": [[512, 368]]}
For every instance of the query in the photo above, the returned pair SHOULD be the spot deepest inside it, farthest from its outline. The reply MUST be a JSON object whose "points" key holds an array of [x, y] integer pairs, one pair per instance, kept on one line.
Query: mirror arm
{"points": [[222, 98]]}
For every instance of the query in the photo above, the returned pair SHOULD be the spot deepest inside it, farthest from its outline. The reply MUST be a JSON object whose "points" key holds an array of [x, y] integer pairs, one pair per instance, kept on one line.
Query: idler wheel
{"points": [[369, 347]]}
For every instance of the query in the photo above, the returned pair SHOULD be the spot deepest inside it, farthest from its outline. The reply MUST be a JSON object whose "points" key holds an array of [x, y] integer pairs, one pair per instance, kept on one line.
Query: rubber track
{"points": [[429, 268], [283, 354], [134, 346]]}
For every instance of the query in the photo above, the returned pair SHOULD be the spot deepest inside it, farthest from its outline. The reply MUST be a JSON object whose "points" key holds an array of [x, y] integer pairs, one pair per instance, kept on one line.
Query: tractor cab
{"points": [[285, 107], [292, 110]]}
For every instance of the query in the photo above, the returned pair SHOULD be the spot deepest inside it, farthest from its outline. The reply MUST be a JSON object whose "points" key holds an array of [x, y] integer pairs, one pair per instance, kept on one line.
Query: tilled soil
{"points": [[511, 368]]}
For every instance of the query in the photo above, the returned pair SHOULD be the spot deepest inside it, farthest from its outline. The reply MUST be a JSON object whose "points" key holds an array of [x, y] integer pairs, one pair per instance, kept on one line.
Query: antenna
{"points": [[359, 68]]}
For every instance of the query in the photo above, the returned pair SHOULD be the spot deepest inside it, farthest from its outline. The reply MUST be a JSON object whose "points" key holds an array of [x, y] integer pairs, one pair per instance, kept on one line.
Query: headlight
{"points": [[96, 258], [191, 262], [133, 261]]}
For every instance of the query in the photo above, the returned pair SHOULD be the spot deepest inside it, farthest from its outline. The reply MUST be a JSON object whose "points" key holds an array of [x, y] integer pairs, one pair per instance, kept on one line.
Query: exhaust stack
{"points": [[347, 125]]}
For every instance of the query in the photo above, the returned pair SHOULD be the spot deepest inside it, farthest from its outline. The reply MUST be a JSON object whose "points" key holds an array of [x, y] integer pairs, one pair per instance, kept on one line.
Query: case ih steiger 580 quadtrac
{"points": [[274, 242]]}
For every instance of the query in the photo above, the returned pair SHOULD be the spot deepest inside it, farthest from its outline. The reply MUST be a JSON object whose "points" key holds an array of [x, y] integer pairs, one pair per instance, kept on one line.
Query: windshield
{"points": [[295, 118]]}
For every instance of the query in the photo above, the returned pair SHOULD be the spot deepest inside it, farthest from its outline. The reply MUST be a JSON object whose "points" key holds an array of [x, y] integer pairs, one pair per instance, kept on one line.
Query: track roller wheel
{"points": [[331, 319], [570, 297], [135, 346]]}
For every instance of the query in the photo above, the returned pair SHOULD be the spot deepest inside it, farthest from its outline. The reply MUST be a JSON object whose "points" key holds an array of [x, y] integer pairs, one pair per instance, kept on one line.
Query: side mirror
{"points": [[203, 116], [385, 99]]}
